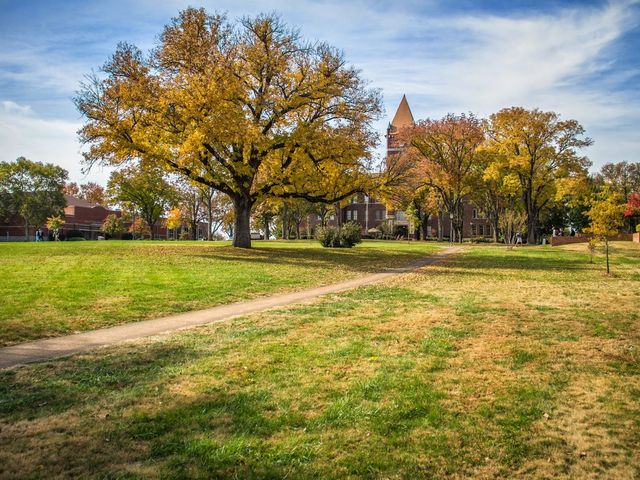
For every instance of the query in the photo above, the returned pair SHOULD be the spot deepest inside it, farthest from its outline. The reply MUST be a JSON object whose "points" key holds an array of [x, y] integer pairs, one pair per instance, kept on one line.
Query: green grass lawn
{"points": [[493, 364], [49, 289]]}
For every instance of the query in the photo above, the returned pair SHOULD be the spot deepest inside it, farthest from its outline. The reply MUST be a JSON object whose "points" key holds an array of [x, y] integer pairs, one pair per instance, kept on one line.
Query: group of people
{"points": [[39, 236]]}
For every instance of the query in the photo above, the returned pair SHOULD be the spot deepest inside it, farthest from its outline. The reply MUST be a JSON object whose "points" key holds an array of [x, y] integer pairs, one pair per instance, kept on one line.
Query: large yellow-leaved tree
{"points": [[247, 108], [541, 151]]}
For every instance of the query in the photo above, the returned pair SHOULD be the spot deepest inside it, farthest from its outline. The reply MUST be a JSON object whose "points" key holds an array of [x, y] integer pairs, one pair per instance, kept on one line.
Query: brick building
{"points": [[85, 217], [79, 216], [370, 214]]}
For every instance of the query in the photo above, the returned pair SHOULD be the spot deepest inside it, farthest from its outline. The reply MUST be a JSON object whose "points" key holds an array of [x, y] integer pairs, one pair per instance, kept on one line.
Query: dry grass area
{"points": [[495, 364]]}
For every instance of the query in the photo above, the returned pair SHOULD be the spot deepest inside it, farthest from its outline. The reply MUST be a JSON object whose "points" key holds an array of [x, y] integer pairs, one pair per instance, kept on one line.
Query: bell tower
{"points": [[402, 119]]}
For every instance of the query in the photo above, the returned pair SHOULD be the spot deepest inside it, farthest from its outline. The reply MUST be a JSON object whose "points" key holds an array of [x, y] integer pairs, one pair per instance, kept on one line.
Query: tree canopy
{"points": [[247, 108], [31, 190], [606, 215], [445, 154], [621, 177], [540, 149], [144, 188], [91, 192]]}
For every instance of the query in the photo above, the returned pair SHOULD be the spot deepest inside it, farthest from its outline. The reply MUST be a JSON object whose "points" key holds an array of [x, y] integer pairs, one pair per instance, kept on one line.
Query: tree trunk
{"points": [[285, 222], [209, 218], [151, 229], [242, 222], [440, 222], [267, 233], [495, 227], [531, 229], [424, 226], [606, 251], [26, 230], [458, 225]]}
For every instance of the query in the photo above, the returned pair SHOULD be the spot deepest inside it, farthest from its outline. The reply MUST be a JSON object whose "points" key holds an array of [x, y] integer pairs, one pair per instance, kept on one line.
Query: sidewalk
{"points": [[51, 348]]}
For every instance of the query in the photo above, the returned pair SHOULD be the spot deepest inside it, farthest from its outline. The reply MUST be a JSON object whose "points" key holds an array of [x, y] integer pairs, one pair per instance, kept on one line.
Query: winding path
{"points": [[51, 348]]}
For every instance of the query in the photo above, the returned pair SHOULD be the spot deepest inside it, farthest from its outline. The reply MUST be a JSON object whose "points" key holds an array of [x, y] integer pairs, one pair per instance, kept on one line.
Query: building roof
{"points": [[403, 117]]}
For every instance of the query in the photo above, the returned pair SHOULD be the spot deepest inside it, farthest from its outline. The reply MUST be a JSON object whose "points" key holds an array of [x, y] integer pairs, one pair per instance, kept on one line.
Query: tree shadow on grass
{"points": [[248, 434], [515, 261], [223, 437], [54, 387], [359, 260]]}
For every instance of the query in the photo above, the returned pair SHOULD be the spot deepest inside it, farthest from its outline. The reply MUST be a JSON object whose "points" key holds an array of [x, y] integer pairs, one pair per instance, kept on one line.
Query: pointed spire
{"points": [[403, 116]]}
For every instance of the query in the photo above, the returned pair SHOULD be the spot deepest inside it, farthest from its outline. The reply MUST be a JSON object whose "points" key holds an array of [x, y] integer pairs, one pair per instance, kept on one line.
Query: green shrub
{"points": [[75, 234], [638, 228], [327, 236], [345, 237], [350, 235]]}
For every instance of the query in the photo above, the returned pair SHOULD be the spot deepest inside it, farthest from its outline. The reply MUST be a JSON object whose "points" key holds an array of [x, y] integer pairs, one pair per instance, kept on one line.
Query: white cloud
{"points": [[39, 68], [484, 63], [23, 133], [10, 107], [444, 60]]}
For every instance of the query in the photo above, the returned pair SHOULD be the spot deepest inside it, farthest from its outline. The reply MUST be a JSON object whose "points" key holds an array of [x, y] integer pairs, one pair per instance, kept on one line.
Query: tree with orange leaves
{"points": [[443, 154]]}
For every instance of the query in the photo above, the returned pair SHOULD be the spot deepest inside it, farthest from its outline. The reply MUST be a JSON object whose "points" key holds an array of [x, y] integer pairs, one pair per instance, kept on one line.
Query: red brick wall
{"points": [[555, 241]]}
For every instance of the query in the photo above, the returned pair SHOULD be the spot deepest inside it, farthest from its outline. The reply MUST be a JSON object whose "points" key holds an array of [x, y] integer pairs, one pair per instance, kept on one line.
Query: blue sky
{"points": [[579, 58]]}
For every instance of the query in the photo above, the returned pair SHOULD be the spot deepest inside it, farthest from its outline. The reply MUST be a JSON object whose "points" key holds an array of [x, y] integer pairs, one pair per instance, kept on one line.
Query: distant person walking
{"points": [[38, 235], [518, 238]]}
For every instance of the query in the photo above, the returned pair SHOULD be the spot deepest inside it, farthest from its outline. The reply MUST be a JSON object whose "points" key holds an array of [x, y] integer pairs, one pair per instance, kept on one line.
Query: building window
{"points": [[481, 230], [474, 214], [379, 214], [355, 215]]}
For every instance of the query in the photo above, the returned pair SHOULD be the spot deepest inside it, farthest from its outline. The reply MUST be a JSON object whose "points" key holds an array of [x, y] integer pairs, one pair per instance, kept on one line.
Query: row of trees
{"points": [[251, 112], [151, 195], [147, 195], [35, 192], [522, 168]]}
